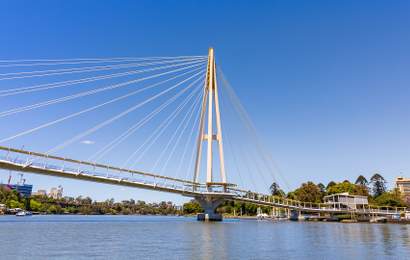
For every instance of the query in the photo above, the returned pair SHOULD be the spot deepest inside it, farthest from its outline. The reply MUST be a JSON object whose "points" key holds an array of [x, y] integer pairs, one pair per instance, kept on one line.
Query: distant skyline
{"points": [[326, 83]]}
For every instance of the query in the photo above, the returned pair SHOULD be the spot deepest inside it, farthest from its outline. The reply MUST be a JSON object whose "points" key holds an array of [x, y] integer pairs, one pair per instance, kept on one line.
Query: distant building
{"points": [[56, 193], [403, 184], [40, 193], [346, 201]]}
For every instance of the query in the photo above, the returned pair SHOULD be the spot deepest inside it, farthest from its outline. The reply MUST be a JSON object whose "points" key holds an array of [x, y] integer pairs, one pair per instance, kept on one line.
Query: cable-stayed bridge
{"points": [[159, 119]]}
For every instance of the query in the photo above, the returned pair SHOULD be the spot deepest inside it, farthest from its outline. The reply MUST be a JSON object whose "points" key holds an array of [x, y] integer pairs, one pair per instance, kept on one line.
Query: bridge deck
{"points": [[137, 179]]}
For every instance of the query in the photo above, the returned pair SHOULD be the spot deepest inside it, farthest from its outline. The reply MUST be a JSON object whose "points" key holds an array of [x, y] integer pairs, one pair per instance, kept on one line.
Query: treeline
{"points": [[85, 205], [228, 207], [375, 189]]}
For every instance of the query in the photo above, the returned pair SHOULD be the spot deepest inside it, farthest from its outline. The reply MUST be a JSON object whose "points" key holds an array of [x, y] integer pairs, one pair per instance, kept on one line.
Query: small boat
{"points": [[378, 220], [262, 216], [23, 213]]}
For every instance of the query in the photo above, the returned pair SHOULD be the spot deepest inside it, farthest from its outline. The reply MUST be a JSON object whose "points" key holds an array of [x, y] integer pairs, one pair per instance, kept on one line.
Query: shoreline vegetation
{"points": [[375, 190], [86, 206]]}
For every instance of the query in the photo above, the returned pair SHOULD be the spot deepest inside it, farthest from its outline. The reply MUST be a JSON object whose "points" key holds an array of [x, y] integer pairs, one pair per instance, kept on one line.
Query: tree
{"points": [[330, 184], [35, 205], [322, 188], [348, 187], [11, 198], [291, 195], [378, 185], [275, 190], [392, 198], [361, 180], [15, 204], [309, 192], [192, 207]]}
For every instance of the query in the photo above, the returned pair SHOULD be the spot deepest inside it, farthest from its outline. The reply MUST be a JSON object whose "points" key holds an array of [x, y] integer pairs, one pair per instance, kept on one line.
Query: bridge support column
{"points": [[294, 215], [209, 204]]}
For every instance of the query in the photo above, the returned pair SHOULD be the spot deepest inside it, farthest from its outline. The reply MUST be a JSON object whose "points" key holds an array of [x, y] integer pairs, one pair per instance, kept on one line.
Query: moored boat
{"points": [[23, 213]]}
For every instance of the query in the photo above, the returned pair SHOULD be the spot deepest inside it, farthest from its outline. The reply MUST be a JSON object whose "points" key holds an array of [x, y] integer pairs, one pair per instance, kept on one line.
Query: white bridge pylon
{"points": [[210, 106]]}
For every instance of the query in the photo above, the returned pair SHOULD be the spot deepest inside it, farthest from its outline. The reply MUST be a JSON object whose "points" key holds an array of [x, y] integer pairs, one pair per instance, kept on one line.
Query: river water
{"points": [[155, 237]]}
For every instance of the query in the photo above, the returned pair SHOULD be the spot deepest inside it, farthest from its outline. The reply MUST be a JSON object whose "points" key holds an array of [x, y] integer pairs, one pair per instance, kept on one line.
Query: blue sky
{"points": [[326, 83]]}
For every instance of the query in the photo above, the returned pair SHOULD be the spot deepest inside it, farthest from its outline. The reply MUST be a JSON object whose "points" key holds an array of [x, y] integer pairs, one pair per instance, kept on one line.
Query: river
{"points": [[157, 237]]}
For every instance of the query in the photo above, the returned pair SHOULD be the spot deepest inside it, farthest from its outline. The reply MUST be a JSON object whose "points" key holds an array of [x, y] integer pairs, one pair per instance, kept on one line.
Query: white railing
{"points": [[275, 201]]}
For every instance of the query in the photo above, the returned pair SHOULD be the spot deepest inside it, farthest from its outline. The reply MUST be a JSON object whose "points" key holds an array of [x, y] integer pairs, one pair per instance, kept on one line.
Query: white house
{"points": [[346, 201]]}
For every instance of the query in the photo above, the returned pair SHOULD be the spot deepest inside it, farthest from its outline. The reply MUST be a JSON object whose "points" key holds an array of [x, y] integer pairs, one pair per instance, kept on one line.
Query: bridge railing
{"points": [[78, 168], [33, 158], [75, 168], [308, 206]]}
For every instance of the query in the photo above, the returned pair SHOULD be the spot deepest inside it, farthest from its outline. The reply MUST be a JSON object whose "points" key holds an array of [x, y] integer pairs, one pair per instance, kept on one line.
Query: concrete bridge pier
{"points": [[295, 215], [209, 204]]}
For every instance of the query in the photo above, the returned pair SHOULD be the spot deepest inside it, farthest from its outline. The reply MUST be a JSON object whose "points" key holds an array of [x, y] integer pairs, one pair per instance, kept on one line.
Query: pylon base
{"points": [[209, 217], [209, 204]]}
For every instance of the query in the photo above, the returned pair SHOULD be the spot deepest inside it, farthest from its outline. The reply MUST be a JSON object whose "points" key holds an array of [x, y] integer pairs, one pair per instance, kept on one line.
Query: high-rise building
{"points": [[403, 184], [56, 193]]}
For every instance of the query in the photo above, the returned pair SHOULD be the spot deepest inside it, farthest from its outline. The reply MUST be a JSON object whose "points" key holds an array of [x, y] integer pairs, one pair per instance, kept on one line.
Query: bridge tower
{"points": [[210, 106], [210, 114]]}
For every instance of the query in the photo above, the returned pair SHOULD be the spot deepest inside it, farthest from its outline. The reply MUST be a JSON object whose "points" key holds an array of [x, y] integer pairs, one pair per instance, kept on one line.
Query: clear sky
{"points": [[327, 83]]}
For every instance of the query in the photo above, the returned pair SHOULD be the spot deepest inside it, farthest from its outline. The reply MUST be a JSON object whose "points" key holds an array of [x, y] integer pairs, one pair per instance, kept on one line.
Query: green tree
{"points": [[392, 198], [322, 188], [15, 204], [309, 192], [378, 185], [275, 190], [330, 184], [361, 180], [291, 195], [35, 205], [11, 198], [348, 187], [250, 209], [192, 207], [54, 209]]}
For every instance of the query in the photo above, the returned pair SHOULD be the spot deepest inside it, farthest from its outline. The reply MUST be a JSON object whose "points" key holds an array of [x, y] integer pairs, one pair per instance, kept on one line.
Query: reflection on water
{"points": [[136, 237]]}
